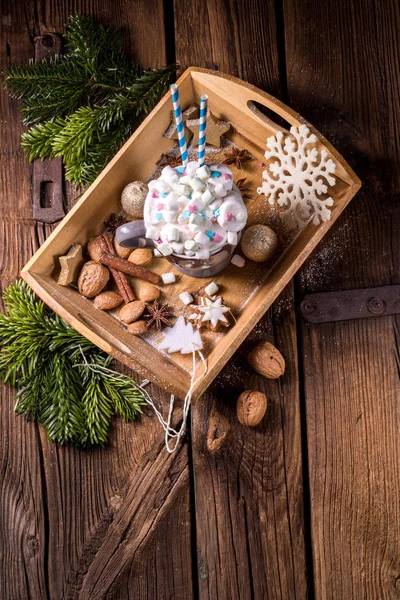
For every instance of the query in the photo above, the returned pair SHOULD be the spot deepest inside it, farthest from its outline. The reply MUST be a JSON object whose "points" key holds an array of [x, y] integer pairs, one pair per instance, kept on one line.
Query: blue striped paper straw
{"points": [[179, 123], [202, 128]]}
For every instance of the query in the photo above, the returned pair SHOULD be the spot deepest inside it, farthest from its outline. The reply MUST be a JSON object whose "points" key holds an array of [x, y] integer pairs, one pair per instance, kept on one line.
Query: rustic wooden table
{"points": [[307, 504]]}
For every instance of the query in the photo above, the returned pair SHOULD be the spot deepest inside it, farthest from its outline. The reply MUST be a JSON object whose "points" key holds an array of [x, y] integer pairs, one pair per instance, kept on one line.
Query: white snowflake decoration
{"points": [[182, 337], [298, 179]]}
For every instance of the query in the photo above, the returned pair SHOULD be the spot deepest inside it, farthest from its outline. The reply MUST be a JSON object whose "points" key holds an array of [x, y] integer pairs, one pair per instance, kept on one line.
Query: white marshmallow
{"points": [[227, 183], [220, 190], [191, 167], [215, 204], [178, 247], [186, 179], [172, 201], [203, 172], [186, 298], [190, 245], [203, 254], [238, 260], [197, 183], [181, 189], [169, 174], [194, 228], [241, 216], [170, 216], [160, 186], [202, 239], [196, 219], [156, 253], [165, 249], [152, 233], [196, 196], [182, 199], [211, 288], [189, 252], [207, 196], [171, 232], [181, 219], [232, 238], [168, 277]]}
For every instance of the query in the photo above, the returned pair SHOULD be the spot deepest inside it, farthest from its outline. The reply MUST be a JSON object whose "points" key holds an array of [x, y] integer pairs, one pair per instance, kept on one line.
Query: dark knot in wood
{"points": [[218, 430]]}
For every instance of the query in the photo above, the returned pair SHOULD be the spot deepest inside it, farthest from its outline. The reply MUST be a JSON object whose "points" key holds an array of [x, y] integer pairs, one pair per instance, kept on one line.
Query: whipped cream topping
{"points": [[194, 211]]}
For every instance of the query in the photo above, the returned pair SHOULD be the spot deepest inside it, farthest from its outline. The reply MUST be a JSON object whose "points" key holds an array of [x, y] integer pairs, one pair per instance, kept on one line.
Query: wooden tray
{"points": [[249, 291]]}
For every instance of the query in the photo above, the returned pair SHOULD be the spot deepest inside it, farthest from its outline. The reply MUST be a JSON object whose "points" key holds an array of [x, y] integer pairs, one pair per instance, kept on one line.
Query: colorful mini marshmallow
{"points": [[202, 203]]}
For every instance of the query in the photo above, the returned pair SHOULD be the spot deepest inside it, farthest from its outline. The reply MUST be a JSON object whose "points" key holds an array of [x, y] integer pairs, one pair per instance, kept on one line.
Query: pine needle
{"points": [[63, 381], [84, 105]]}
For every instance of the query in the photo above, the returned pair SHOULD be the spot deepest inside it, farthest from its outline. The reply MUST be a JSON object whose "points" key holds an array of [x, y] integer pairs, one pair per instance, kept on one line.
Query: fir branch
{"points": [[42, 356], [84, 104], [38, 141]]}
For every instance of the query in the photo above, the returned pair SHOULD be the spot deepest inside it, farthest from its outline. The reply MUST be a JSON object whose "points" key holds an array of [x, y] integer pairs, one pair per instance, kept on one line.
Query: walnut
{"points": [[93, 279], [251, 407], [267, 360]]}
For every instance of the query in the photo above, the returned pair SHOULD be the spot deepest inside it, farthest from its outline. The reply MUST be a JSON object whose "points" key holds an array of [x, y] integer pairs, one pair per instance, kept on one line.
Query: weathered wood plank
{"points": [[248, 491], [343, 64], [60, 506]]}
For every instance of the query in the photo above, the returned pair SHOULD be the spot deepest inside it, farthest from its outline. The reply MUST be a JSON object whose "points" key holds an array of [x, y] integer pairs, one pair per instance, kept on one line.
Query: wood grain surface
{"points": [[351, 369], [306, 504]]}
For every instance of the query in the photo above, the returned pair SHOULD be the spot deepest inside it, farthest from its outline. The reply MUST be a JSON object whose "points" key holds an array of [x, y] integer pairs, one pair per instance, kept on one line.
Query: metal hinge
{"points": [[47, 195], [351, 304]]}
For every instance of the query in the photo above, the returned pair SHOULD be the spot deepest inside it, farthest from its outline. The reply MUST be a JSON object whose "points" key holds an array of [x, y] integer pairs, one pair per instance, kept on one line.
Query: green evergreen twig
{"points": [[83, 105], [63, 381]]}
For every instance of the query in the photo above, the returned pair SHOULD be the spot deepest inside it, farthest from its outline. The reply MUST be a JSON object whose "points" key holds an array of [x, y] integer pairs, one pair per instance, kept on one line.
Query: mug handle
{"points": [[133, 235]]}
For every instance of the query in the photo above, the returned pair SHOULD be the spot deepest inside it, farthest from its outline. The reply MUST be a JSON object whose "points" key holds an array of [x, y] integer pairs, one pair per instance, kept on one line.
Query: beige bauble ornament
{"points": [[133, 197], [259, 242]]}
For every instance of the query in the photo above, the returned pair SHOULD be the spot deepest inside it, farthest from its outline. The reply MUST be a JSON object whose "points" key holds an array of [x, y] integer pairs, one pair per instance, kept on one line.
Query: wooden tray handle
{"points": [[243, 97]]}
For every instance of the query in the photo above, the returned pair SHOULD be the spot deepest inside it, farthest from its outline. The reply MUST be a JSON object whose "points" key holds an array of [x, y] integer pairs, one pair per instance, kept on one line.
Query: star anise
{"points": [[158, 315], [172, 161], [113, 222], [243, 189], [236, 157]]}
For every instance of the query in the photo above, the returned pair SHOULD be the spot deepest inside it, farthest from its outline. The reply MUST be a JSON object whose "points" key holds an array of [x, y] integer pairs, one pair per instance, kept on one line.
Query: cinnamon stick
{"points": [[120, 279], [113, 262]]}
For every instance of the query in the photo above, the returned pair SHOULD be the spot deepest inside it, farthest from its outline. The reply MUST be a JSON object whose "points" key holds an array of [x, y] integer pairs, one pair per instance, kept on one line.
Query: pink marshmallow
{"points": [[192, 208], [226, 176], [217, 238]]}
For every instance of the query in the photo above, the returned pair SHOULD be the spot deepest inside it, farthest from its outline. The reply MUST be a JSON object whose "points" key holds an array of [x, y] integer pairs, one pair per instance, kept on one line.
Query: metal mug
{"points": [[133, 235]]}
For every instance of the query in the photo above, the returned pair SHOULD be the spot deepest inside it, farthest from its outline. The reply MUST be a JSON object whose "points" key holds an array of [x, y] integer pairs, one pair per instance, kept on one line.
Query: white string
{"points": [[170, 432], [186, 406]]}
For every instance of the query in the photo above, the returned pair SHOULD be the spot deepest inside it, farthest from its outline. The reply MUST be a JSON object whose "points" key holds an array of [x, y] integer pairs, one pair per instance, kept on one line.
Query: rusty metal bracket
{"points": [[47, 192], [351, 304]]}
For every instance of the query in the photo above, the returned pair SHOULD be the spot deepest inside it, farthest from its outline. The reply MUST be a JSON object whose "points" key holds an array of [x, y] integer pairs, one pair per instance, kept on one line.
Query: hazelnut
{"points": [[251, 407], [137, 328], [94, 249], [147, 292], [121, 251], [107, 300], [267, 360], [131, 311], [93, 279], [141, 256]]}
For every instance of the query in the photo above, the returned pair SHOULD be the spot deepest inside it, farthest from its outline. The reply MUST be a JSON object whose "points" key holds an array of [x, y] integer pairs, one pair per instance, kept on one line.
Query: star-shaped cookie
{"points": [[210, 313], [70, 265], [214, 130]]}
